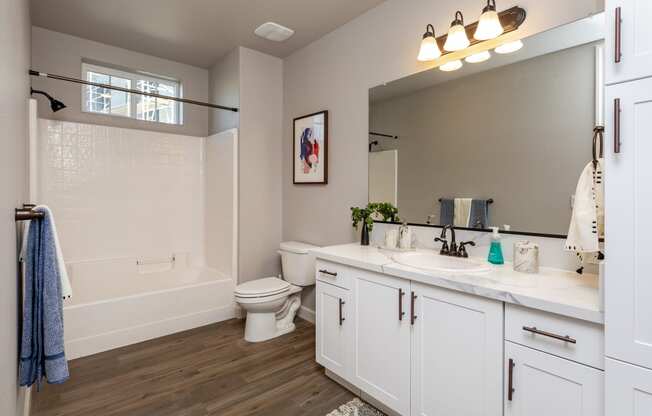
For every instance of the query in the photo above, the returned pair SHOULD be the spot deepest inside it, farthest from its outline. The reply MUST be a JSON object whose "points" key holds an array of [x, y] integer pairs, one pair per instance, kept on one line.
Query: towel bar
{"points": [[489, 201], [26, 214]]}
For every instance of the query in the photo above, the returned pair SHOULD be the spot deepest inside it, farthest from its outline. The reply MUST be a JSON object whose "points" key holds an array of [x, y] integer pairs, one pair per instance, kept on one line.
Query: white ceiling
{"points": [[196, 32]]}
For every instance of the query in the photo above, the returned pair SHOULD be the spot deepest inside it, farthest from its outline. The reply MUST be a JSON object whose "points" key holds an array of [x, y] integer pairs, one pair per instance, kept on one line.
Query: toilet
{"points": [[272, 303]]}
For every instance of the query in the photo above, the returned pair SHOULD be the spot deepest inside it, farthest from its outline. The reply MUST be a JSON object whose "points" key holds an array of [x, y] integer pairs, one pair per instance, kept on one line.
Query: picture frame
{"points": [[310, 149]]}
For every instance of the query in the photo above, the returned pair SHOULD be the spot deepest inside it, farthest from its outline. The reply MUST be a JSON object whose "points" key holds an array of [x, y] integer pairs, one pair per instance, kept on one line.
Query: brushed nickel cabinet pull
{"points": [[617, 112], [510, 380], [618, 35], [536, 331], [334, 274], [401, 313], [342, 319], [413, 316]]}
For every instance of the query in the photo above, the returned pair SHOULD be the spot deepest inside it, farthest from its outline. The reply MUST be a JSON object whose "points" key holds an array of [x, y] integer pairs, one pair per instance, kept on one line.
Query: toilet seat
{"points": [[262, 288]]}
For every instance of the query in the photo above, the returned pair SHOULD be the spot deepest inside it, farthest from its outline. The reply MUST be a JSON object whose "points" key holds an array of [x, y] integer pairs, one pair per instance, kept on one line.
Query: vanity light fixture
{"points": [[457, 39], [478, 57], [489, 26], [429, 50], [458, 36], [509, 47], [451, 66]]}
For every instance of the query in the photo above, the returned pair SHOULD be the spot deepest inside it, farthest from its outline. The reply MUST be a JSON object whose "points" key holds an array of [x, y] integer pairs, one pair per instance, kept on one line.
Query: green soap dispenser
{"points": [[496, 248]]}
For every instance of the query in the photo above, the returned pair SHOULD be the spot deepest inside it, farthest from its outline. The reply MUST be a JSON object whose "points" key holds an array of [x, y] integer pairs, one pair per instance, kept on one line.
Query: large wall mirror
{"points": [[501, 142]]}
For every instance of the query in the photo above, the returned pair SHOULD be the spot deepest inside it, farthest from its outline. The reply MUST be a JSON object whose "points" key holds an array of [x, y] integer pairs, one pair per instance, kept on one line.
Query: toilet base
{"points": [[264, 326]]}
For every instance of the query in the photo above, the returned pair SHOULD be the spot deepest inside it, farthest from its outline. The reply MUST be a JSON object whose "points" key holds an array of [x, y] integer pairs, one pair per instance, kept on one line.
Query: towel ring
{"points": [[598, 134]]}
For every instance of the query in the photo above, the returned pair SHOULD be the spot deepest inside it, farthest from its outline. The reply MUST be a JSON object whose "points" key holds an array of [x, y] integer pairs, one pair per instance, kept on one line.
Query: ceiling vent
{"points": [[274, 31]]}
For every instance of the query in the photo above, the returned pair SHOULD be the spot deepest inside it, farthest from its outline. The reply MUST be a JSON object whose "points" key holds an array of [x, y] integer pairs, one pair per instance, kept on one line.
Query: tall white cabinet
{"points": [[628, 193]]}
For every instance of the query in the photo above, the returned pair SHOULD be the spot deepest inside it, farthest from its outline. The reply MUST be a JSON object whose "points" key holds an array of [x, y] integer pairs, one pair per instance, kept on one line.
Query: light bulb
{"points": [[478, 57], [457, 39], [451, 66], [509, 47], [489, 26], [429, 50]]}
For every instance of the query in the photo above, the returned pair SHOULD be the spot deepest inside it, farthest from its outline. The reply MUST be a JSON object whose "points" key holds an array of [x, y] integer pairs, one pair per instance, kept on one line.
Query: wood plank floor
{"points": [[204, 371]]}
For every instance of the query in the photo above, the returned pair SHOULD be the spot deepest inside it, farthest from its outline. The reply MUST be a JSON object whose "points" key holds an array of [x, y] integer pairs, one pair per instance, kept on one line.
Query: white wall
{"points": [[261, 132], [221, 201], [122, 192], [14, 92], [335, 74], [62, 54], [224, 86]]}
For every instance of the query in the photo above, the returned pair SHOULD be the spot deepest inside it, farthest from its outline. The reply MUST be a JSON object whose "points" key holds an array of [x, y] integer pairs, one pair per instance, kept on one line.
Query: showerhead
{"points": [[55, 104]]}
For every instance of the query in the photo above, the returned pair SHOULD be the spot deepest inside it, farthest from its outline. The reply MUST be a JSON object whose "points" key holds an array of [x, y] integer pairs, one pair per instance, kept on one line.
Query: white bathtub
{"points": [[118, 302]]}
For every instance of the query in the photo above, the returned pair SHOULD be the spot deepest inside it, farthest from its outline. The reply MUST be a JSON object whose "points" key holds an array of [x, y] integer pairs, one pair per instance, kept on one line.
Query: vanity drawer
{"points": [[333, 273], [555, 334]]}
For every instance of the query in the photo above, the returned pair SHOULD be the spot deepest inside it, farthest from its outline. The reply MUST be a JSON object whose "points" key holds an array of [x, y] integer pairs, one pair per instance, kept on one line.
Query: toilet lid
{"points": [[262, 287], [297, 247]]}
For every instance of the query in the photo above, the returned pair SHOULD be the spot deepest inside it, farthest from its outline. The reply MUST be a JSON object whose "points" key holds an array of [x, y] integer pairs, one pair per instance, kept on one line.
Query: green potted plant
{"points": [[366, 216]]}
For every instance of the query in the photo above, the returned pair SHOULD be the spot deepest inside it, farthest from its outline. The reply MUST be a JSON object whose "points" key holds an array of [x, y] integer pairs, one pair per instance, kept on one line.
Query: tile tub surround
{"points": [[552, 290]]}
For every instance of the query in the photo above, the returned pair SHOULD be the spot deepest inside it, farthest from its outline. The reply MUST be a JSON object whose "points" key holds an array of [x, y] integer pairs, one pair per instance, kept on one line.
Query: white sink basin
{"points": [[437, 263]]}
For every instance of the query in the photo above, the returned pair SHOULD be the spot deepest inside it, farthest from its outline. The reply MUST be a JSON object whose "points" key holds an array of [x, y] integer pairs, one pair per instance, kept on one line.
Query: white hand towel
{"points": [[66, 288], [587, 221], [462, 212]]}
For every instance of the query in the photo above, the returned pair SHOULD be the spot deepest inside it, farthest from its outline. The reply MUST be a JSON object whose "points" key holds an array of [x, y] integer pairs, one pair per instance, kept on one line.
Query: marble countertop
{"points": [[552, 290]]}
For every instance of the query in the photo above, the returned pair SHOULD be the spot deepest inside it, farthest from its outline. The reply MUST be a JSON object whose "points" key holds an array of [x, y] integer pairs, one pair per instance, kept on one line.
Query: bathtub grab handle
{"points": [[156, 261]]}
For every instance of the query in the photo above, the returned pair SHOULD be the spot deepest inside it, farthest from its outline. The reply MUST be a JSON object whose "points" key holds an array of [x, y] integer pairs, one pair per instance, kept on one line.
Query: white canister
{"points": [[391, 238], [405, 237], [526, 257]]}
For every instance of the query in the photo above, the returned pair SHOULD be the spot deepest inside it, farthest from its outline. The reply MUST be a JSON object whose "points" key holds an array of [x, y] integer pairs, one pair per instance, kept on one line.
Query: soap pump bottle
{"points": [[496, 248]]}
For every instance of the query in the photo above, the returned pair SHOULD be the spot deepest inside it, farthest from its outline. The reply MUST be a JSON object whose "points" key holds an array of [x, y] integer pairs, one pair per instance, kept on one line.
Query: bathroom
{"points": [[204, 164]]}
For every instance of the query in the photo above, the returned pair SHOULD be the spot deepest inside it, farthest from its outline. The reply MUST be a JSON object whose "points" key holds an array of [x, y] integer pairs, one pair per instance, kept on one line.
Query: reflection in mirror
{"points": [[497, 142]]}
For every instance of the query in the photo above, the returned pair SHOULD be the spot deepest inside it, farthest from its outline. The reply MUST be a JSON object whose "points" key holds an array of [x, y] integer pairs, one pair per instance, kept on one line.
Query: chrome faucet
{"points": [[452, 250]]}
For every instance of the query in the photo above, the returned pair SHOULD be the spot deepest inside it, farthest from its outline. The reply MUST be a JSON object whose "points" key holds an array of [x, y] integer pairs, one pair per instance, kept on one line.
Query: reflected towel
{"points": [[462, 212], [42, 352], [447, 211], [479, 216]]}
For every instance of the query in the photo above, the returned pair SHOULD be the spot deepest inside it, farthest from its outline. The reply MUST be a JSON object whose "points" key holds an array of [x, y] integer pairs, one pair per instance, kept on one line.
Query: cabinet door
{"points": [[629, 389], [457, 354], [544, 385], [334, 329], [634, 34], [628, 208], [382, 339]]}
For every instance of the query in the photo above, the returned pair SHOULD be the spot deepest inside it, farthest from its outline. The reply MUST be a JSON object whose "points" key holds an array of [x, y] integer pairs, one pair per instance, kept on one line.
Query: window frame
{"points": [[133, 77]]}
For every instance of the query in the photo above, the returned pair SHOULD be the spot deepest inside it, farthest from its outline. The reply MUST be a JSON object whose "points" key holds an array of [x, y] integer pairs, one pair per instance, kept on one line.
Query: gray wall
{"points": [[14, 93], [335, 74], [62, 54], [261, 131], [224, 88], [519, 134]]}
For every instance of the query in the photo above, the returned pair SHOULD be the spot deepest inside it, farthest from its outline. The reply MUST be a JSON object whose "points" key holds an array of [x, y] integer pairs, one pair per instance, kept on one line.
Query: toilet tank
{"points": [[297, 263]]}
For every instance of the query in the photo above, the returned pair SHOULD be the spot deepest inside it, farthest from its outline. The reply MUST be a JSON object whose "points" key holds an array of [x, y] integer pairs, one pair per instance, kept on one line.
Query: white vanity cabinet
{"points": [[334, 329], [542, 385], [457, 360], [415, 348], [632, 37], [381, 362]]}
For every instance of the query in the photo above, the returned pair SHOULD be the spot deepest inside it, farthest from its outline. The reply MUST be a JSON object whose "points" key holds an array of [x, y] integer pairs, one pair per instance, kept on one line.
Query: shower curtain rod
{"points": [[130, 91]]}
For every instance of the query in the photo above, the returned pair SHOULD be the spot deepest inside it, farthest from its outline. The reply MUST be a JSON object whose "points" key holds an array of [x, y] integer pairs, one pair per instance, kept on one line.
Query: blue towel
{"points": [[42, 352], [447, 211], [479, 217]]}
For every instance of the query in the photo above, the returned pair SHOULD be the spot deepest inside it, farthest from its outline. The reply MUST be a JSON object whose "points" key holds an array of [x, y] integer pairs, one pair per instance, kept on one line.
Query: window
{"points": [[118, 103]]}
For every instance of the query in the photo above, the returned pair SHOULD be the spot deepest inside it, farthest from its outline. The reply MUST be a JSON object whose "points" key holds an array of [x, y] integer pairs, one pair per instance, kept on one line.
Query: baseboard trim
{"points": [[83, 347], [307, 314]]}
